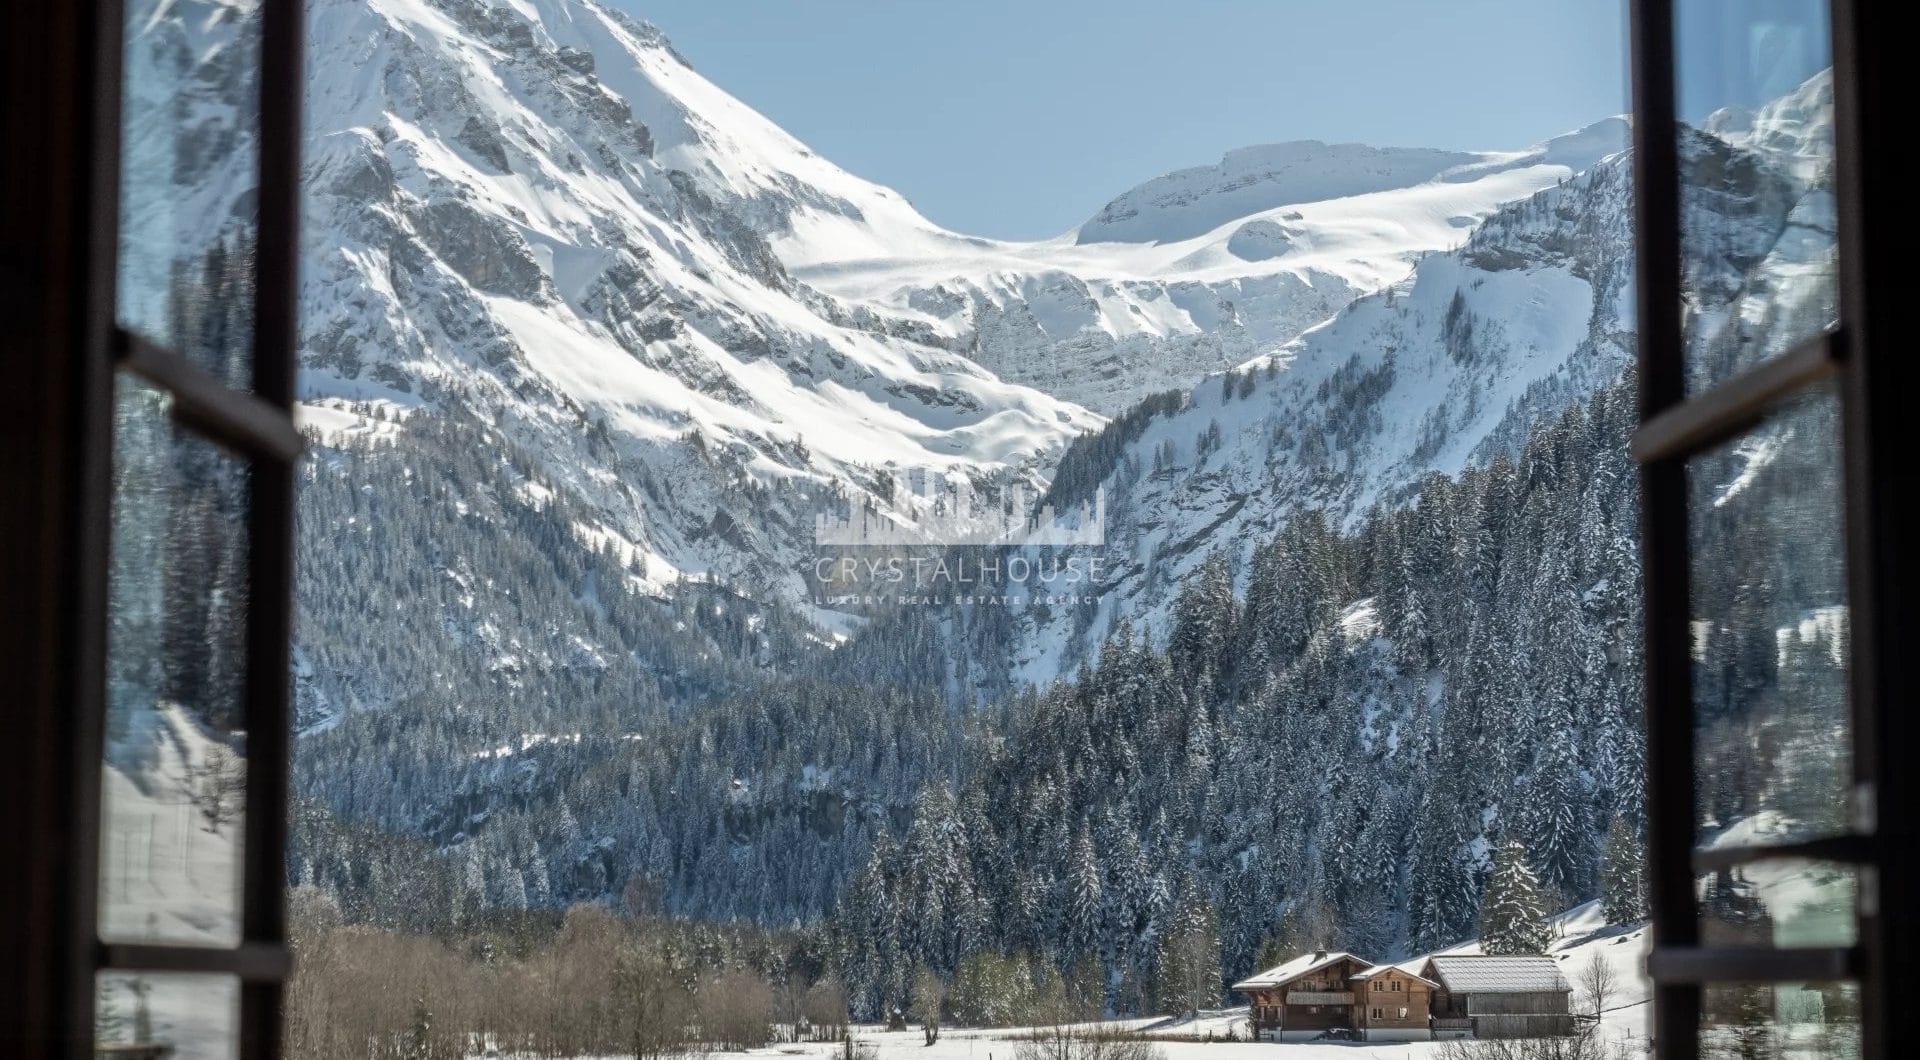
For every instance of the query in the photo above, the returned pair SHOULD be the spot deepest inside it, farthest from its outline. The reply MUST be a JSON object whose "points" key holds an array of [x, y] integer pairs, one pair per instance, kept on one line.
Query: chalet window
{"points": [[1773, 462], [1376, 1013], [149, 530], [1403, 1013]]}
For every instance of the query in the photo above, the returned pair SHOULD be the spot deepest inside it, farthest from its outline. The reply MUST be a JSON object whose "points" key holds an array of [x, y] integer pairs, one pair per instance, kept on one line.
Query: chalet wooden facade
{"points": [[1394, 1004], [1338, 994]]}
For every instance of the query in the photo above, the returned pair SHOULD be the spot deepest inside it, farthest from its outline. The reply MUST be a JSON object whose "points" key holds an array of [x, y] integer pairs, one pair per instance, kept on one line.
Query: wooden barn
{"points": [[1338, 993], [1499, 997]]}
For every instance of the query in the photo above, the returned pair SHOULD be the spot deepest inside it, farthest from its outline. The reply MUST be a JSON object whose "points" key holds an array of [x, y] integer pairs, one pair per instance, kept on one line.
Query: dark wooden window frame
{"points": [[1873, 377], [61, 65]]}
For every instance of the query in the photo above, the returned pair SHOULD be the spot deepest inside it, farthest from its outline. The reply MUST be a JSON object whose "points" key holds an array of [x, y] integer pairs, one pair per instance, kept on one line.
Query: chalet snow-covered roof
{"points": [[1515, 974], [1282, 974], [1382, 969]]}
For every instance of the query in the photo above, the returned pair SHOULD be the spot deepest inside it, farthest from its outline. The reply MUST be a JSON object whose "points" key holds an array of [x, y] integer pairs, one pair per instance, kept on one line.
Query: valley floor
{"points": [[1580, 935]]}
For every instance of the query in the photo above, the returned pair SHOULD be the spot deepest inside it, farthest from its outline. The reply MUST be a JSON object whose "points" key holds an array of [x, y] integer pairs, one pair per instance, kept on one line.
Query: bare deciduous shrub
{"points": [[1073, 1042], [1597, 982], [825, 1008], [736, 1011], [1587, 1044], [596, 986], [929, 993]]}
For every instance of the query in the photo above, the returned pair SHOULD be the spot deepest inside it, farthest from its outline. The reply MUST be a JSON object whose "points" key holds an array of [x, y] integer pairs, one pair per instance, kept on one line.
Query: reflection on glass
{"points": [[174, 776], [1807, 1021], [195, 1016], [1785, 903], [188, 173], [1757, 217], [1770, 631]]}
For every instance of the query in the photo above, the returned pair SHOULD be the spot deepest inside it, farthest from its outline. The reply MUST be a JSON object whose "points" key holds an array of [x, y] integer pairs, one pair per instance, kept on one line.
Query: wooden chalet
{"points": [[1499, 997], [1338, 995]]}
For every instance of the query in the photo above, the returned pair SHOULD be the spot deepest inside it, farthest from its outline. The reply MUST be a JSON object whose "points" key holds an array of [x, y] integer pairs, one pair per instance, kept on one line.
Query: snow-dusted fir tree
{"points": [[1081, 918], [1623, 875], [1190, 954], [1558, 822], [1513, 914]]}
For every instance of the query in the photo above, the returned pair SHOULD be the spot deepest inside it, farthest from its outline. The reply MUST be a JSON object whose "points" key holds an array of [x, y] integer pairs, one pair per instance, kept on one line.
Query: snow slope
{"points": [[167, 875]]}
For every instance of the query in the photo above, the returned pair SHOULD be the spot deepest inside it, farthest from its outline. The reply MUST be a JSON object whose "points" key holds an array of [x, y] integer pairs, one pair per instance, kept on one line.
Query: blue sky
{"points": [[1746, 52], [1021, 119]]}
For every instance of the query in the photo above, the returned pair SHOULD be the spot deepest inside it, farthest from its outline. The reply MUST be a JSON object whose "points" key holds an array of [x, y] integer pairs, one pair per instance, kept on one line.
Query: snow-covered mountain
{"points": [[533, 225], [537, 213], [1192, 272], [537, 216], [1454, 364], [1439, 371]]}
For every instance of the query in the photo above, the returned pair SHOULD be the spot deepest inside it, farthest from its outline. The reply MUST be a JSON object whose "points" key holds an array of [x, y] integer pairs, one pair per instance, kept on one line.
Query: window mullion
{"points": [[1697, 965], [1663, 520], [1732, 407], [240, 421], [1846, 849], [1879, 450], [270, 560], [250, 961]]}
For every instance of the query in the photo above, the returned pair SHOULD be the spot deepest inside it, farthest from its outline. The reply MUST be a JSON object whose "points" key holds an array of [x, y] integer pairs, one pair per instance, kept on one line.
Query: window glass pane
{"points": [[1757, 216], [1806, 1021], [188, 171], [174, 769], [1786, 903], [195, 1016], [1770, 630]]}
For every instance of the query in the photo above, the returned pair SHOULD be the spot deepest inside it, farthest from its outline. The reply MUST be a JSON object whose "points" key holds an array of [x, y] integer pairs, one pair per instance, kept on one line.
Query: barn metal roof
{"points": [[1480, 975]]}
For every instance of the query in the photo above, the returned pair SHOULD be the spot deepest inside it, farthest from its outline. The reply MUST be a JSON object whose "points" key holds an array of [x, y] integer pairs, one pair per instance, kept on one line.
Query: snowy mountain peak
{"points": [[1255, 180], [1191, 202], [1795, 130]]}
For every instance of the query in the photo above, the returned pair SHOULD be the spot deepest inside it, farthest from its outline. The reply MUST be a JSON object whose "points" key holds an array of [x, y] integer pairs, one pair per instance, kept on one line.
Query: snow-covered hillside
{"points": [[1440, 370], [168, 873]]}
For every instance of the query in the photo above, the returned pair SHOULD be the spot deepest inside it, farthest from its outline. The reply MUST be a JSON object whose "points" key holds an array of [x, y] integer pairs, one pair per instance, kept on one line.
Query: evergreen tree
{"points": [[1513, 915], [1557, 821], [1190, 955], [1623, 894], [1082, 916]]}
